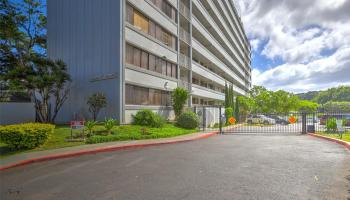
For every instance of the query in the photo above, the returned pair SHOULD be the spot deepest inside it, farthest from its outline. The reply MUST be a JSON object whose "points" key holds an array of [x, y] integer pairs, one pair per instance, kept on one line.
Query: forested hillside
{"points": [[337, 94]]}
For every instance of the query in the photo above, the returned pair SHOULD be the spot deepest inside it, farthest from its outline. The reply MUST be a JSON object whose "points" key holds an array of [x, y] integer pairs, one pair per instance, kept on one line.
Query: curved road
{"points": [[220, 167]]}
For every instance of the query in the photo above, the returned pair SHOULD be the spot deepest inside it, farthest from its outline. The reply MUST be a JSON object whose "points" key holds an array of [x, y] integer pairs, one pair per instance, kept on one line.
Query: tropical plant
{"points": [[179, 96], [109, 124], [90, 125], [96, 102], [23, 60]]}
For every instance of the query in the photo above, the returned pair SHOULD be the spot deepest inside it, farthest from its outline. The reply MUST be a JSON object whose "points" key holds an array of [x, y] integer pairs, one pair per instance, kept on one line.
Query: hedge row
{"points": [[28, 135]]}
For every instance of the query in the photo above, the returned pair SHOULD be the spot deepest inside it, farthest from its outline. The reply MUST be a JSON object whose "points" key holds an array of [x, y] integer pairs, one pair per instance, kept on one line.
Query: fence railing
{"points": [[214, 118], [186, 85]]}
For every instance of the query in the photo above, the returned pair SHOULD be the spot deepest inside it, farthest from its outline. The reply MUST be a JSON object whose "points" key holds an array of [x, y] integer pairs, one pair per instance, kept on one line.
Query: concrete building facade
{"points": [[137, 51]]}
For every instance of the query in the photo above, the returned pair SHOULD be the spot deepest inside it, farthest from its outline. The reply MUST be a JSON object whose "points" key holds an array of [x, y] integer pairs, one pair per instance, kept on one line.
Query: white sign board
{"points": [[340, 126]]}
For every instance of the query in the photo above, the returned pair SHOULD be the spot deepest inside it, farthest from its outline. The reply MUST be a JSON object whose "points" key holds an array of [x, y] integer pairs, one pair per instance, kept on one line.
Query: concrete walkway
{"points": [[26, 158]]}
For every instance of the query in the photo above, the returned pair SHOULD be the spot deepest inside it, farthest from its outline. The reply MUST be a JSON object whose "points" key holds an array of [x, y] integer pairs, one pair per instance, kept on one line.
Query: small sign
{"points": [[232, 120], [292, 119], [340, 127], [77, 124]]}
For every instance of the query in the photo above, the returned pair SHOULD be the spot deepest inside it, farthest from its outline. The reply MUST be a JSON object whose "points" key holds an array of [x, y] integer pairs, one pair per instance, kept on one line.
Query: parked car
{"points": [[323, 118], [260, 119], [310, 119], [279, 119]]}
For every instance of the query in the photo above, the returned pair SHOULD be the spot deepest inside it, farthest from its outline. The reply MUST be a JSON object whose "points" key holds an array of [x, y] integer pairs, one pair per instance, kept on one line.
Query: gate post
{"points": [[204, 119], [303, 123], [220, 123]]}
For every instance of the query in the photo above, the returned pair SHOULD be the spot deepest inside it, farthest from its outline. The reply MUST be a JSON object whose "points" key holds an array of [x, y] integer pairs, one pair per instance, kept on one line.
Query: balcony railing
{"points": [[185, 36], [184, 10], [184, 61], [184, 84]]}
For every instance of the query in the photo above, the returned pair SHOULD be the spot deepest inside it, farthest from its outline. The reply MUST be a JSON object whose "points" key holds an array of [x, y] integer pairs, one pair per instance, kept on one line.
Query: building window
{"points": [[129, 54], [168, 69], [136, 95], [166, 8], [129, 14], [152, 63], [174, 71], [164, 67], [159, 65], [150, 27], [137, 57], [140, 21], [195, 100], [143, 59]]}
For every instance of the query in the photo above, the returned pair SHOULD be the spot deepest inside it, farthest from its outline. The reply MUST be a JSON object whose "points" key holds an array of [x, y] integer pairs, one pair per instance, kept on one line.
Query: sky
{"points": [[298, 45]]}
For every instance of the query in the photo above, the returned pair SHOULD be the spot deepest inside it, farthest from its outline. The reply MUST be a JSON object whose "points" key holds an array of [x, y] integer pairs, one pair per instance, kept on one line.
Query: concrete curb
{"points": [[342, 142], [100, 150]]}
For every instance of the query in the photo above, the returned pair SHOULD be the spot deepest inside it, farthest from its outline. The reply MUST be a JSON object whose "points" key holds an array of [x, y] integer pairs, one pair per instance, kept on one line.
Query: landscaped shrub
{"points": [[29, 135], [331, 125], [148, 118], [188, 120]]}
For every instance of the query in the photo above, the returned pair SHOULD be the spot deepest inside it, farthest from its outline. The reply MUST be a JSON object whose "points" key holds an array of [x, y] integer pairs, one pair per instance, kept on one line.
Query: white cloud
{"points": [[254, 43], [299, 32]]}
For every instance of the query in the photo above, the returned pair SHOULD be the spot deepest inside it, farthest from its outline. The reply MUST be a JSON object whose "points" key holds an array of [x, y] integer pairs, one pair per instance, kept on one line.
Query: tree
{"points": [[341, 93], [179, 96], [23, 60], [96, 102], [331, 106], [283, 102], [229, 97], [307, 106], [237, 108]]}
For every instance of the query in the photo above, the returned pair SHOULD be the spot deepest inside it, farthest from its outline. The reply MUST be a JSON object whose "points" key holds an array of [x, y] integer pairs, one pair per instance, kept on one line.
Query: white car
{"points": [[260, 119]]}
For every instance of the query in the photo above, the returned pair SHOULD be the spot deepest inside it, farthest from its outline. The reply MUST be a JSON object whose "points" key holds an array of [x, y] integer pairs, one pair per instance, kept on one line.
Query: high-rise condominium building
{"points": [[137, 51]]}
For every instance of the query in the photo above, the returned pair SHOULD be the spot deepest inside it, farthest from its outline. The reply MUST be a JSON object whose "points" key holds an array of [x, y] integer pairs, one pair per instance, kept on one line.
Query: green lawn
{"points": [[346, 136], [120, 133]]}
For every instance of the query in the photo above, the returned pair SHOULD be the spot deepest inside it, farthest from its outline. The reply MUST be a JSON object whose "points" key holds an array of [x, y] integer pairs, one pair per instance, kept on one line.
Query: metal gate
{"points": [[263, 123], [212, 118]]}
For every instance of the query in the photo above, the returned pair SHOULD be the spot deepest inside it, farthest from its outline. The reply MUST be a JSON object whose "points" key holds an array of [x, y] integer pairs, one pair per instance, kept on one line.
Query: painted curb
{"points": [[100, 150], [342, 142]]}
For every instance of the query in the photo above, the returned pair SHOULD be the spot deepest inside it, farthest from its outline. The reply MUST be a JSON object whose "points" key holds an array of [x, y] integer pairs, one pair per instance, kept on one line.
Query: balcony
{"points": [[184, 10], [184, 84], [216, 61], [207, 93], [184, 61], [205, 35], [185, 36]]}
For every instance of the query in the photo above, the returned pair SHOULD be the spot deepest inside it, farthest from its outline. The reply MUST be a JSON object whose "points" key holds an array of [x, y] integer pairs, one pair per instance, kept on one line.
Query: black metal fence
{"points": [[284, 123], [212, 118]]}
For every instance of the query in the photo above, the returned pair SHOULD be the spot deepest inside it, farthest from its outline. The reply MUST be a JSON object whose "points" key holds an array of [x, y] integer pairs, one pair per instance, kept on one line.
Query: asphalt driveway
{"points": [[220, 167]]}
